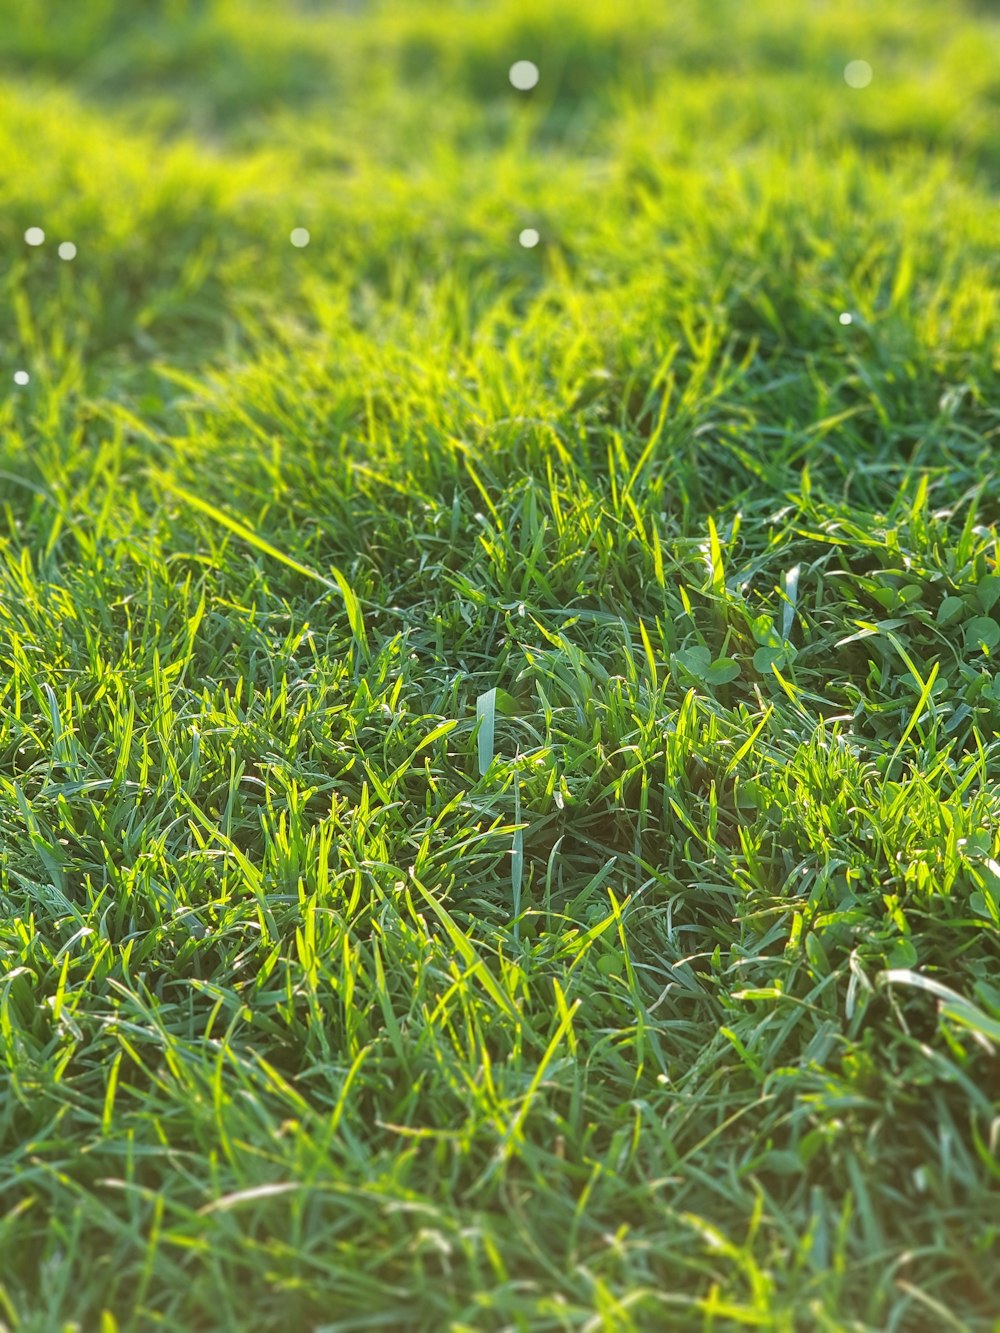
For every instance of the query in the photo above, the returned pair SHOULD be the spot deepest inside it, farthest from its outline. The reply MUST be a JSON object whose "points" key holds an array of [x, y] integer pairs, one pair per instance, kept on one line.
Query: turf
{"points": [[499, 746]]}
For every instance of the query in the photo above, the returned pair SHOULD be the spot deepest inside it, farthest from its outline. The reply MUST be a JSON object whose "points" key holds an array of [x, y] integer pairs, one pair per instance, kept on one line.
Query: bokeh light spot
{"points": [[857, 73], [524, 75], [847, 317], [34, 236], [67, 250], [21, 377], [529, 238], [299, 237]]}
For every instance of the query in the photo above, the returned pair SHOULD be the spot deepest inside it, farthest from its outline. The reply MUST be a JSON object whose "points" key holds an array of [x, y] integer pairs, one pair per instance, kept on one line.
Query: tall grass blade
{"points": [[486, 708]]}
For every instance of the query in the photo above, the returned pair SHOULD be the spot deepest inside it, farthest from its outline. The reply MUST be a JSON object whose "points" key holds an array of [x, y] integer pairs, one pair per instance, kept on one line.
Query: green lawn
{"points": [[499, 745]]}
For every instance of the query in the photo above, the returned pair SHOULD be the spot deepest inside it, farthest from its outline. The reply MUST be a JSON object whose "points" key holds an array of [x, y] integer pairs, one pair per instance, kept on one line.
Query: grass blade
{"points": [[517, 855], [486, 708]]}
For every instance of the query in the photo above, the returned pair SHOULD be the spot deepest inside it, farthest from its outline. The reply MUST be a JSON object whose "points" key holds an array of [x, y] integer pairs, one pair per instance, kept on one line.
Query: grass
{"points": [[499, 748]]}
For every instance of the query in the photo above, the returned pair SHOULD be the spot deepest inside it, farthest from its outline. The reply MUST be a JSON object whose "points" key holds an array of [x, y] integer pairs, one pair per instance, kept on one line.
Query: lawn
{"points": [[499, 742]]}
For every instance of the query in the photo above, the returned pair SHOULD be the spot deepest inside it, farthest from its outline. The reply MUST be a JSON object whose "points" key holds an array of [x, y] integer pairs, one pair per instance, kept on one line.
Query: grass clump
{"points": [[499, 748]]}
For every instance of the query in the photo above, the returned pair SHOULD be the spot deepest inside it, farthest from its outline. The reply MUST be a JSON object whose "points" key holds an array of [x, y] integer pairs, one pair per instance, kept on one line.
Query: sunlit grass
{"points": [[499, 724]]}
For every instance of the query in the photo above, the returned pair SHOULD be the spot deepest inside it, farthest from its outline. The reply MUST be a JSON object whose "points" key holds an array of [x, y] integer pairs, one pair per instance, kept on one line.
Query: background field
{"points": [[686, 1012]]}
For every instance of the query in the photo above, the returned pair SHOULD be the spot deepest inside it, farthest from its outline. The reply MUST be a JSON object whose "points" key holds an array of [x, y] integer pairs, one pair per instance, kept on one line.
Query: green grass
{"points": [[499, 748]]}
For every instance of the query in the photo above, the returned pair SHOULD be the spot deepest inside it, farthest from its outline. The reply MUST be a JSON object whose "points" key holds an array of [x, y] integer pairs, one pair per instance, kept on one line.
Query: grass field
{"points": [[499, 744]]}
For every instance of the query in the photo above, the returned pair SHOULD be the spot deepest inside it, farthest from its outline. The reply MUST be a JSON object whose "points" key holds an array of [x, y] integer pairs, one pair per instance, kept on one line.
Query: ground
{"points": [[499, 744]]}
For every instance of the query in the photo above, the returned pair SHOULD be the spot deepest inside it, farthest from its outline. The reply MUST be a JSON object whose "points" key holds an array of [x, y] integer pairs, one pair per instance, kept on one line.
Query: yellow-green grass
{"points": [[499, 746]]}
